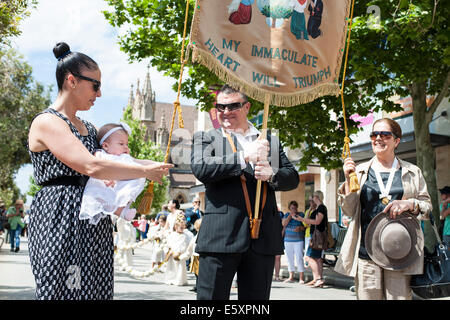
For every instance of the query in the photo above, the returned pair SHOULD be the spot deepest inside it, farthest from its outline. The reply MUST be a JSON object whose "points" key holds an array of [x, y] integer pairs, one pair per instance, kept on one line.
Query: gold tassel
{"points": [[145, 204], [354, 184]]}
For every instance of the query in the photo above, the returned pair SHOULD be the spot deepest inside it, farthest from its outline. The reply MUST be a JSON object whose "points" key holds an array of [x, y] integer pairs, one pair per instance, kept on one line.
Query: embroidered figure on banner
{"points": [[240, 11], [275, 11], [298, 22], [315, 9]]}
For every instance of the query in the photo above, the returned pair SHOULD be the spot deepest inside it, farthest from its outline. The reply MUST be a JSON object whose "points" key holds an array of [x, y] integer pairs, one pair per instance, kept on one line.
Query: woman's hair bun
{"points": [[60, 49]]}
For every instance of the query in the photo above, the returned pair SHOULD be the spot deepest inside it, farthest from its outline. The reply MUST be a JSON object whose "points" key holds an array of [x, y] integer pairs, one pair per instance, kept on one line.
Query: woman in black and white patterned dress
{"points": [[70, 258]]}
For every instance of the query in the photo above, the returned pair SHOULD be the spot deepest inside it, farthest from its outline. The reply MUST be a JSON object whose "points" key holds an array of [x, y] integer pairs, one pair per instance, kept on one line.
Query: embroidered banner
{"points": [[290, 49]]}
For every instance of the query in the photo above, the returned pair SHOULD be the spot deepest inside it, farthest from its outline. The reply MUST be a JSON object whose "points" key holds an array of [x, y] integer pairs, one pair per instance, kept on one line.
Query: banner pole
{"points": [[264, 136]]}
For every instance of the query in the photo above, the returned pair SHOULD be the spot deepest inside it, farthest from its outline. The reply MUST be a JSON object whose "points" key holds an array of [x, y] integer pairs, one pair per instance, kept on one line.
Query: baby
{"points": [[102, 198]]}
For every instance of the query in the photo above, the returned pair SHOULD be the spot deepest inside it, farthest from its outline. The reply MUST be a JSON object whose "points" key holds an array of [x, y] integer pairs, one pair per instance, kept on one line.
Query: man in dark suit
{"points": [[315, 9], [224, 241]]}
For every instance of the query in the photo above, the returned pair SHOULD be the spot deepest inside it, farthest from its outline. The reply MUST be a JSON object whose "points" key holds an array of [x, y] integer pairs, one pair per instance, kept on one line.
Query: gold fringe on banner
{"points": [[276, 98]]}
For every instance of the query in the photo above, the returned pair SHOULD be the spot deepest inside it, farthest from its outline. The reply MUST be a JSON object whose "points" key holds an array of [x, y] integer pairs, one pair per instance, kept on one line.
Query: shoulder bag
{"points": [[435, 280], [319, 239]]}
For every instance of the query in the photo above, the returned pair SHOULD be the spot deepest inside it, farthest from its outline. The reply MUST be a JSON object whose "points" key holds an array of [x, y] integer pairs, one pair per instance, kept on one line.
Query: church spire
{"points": [[131, 98], [147, 89]]}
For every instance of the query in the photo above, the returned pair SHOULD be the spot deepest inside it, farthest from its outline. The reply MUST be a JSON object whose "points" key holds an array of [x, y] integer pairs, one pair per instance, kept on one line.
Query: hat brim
{"points": [[373, 243]]}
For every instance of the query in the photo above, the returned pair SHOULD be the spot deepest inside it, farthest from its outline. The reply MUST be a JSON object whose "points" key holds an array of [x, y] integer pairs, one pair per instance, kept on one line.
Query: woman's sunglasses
{"points": [[382, 134], [97, 84], [230, 106]]}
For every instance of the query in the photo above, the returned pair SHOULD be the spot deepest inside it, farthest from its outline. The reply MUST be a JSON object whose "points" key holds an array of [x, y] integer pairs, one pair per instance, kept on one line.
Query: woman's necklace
{"points": [[384, 195]]}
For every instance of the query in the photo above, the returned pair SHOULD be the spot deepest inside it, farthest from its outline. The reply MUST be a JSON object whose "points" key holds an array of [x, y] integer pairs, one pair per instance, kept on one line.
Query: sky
{"points": [[83, 27]]}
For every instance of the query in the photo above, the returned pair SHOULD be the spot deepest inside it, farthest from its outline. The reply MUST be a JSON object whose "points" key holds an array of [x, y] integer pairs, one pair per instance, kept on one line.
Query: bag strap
{"points": [[438, 237], [244, 184]]}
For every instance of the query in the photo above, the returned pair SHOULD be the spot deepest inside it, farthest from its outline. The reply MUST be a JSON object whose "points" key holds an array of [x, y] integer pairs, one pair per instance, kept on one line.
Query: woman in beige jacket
{"points": [[407, 192]]}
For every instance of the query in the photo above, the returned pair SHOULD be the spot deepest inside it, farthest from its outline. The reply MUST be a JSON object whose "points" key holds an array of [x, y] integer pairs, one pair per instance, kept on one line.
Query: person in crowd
{"points": [[173, 206], [164, 211], [126, 235], [278, 256], [70, 258], [190, 254], [312, 207], [177, 244], [158, 235], [102, 198], [224, 241], [444, 210], [143, 224], [192, 214], [26, 222], [15, 215], [317, 219], [389, 185], [3, 218], [294, 241]]}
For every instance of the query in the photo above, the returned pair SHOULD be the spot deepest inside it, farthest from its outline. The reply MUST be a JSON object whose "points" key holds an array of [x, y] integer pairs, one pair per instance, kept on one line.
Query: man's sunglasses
{"points": [[382, 134], [230, 106], [97, 84]]}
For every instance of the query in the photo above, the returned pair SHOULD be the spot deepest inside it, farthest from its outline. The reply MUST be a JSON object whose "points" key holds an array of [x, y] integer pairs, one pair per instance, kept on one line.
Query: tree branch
{"points": [[440, 96]]}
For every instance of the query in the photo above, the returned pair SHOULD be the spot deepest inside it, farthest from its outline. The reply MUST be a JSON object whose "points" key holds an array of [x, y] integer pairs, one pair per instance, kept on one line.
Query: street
{"points": [[17, 282]]}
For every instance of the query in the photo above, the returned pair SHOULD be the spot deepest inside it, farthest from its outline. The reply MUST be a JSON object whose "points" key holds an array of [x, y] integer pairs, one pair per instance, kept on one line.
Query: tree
{"points": [[11, 13], [20, 99], [405, 53], [34, 187], [140, 148]]}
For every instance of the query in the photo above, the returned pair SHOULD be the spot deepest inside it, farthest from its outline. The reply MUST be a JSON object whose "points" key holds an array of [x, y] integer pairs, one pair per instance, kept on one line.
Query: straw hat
{"points": [[18, 201], [394, 244]]}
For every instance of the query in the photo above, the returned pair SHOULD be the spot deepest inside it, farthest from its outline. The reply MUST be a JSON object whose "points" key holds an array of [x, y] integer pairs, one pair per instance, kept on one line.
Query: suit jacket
{"points": [[318, 9], [225, 225]]}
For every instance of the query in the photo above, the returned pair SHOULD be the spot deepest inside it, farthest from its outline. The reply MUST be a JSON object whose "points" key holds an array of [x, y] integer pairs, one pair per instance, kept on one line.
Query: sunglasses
{"points": [[230, 106], [97, 84], [382, 134]]}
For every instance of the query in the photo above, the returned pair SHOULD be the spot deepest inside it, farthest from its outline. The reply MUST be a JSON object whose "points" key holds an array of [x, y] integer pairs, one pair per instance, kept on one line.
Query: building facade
{"points": [[157, 118]]}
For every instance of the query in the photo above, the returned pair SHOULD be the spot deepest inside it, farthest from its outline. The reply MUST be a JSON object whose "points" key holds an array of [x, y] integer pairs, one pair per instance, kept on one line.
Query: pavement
{"points": [[17, 281], [331, 277]]}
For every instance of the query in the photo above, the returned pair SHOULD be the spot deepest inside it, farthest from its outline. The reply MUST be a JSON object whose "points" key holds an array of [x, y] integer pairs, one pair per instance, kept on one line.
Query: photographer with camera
{"points": [[15, 215]]}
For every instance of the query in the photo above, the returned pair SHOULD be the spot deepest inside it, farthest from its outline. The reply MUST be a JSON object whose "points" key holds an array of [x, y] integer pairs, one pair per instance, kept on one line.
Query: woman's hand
{"points": [[349, 167], [157, 170], [397, 207]]}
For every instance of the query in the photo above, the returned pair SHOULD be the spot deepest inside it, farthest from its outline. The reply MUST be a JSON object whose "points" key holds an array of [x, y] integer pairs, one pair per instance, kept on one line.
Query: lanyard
{"points": [[384, 195]]}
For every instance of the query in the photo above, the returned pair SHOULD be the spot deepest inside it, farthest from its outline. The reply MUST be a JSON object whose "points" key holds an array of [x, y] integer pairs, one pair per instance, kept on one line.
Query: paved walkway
{"points": [[17, 281]]}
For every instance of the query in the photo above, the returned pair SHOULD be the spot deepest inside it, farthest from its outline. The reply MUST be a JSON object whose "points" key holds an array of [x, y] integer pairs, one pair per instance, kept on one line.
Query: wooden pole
{"points": [[264, 136]]}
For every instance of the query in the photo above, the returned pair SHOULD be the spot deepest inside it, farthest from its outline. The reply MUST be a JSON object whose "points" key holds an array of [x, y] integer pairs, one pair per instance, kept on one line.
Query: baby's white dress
{"points": [[99, 200]]}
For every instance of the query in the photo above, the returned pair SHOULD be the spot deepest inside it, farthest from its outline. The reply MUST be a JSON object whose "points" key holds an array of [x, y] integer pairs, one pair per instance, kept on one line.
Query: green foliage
{"points": [[11, 194], [34, 188], [411, 44], [142, 149], [20, 99], [11, 14]]}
